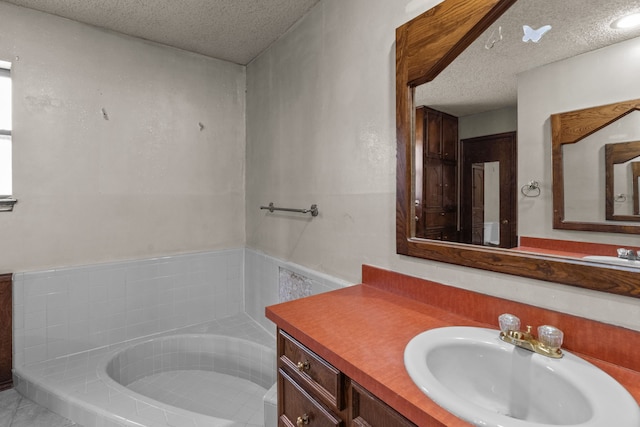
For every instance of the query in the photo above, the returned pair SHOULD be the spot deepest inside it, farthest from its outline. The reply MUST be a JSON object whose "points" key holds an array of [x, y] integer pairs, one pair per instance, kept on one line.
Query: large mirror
{"points": [[433, 56]]}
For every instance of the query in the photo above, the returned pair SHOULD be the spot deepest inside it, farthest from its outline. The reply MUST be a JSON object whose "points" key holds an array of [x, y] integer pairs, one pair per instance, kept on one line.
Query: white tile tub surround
{"points": [[70, 310], [262, 283], [68, 320], [79, 388]]}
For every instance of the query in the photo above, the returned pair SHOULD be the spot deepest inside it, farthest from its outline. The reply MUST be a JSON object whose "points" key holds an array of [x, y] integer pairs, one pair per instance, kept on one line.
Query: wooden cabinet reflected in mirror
{"points": [[425, 46], [465, 190], [436, 164]]}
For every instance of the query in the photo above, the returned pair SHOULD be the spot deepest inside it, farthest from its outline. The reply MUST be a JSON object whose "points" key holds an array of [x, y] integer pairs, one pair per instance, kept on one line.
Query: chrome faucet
{"points": [[629, 254], [547, 344]]}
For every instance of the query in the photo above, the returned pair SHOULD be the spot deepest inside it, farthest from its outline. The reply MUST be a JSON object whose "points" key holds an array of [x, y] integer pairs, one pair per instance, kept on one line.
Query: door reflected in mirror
{"points": [[485, 203], [488, 213]]}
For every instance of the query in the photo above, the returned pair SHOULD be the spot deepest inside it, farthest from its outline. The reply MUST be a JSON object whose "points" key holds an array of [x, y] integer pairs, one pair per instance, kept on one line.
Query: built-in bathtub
{"points": [[93, 388], [99, 310], [243, 365]]}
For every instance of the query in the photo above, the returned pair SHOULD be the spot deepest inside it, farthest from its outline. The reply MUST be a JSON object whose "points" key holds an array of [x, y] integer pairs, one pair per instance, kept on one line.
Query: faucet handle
{"points": [[622, 252], [508, 322], [550, 336]]}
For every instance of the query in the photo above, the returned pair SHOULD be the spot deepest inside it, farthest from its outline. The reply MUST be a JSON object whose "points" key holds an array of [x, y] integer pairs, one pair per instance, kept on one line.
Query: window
{"points": [[6, 173], [5, 131]]}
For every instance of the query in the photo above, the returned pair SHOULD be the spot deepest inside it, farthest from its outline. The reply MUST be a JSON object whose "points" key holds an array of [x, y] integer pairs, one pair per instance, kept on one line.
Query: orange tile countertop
{"points": [[362, 330]]}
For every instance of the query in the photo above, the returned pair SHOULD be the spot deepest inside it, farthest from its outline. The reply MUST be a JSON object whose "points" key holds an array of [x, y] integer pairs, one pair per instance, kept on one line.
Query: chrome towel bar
{"points": [[6, 203], [313, 210]]}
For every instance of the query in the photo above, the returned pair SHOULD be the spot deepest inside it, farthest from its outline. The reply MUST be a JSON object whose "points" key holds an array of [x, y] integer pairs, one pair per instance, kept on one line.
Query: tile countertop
{"points": [[362, 330]]}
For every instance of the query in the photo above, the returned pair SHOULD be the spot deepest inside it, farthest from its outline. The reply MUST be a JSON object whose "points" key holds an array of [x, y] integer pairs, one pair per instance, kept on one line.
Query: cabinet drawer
{"points": [[299, 409], [440, 219], [367, 410], [311, 371]]}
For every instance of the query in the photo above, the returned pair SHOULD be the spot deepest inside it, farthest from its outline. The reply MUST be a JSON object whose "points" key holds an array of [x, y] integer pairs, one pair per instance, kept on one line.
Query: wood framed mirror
{"points": [[425, 46]]}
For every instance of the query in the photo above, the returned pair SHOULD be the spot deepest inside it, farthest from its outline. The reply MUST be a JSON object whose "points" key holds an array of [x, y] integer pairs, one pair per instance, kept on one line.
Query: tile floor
{"points": [[18, 411]]}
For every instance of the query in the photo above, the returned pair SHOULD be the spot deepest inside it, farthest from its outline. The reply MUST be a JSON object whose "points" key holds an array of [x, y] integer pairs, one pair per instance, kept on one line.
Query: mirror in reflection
{"points": [[598, 181], [593, 154], [620, 160]]}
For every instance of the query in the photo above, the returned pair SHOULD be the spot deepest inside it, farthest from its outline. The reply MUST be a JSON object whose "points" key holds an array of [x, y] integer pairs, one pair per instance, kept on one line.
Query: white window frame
{"points": [[6, 201]]}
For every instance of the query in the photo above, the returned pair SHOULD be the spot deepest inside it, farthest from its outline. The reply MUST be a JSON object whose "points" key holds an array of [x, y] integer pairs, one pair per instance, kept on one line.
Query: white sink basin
{"points": [[476, 376], [612, 260]]}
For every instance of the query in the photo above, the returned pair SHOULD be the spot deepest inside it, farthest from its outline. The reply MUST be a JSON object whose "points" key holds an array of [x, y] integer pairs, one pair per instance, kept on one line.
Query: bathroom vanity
{"points": [[341, 353], [310, 390]]}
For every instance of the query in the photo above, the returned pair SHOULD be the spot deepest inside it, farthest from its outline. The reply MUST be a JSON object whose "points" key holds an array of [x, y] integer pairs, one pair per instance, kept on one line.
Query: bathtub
{"points": [[101, 388], [247, 365]]}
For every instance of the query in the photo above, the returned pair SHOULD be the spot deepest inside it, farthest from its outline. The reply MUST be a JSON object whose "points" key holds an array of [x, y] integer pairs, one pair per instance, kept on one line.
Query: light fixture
{"points": [[533, 35], [627, 21]]}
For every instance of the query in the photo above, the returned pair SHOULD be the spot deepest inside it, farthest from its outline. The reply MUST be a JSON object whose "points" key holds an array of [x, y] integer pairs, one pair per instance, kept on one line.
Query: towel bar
{"points": [[313, 210]]}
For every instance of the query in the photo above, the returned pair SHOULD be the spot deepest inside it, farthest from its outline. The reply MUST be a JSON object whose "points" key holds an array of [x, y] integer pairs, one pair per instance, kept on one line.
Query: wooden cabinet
{"points": [[312, 392], [299, 408], [6, 325], [367, 410], [312, 371], [436, 174], [441, 134]]}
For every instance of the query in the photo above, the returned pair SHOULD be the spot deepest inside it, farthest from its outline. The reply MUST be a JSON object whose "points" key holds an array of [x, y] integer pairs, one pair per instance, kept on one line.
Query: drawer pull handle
{"points": [[303, 366], [303, 420]]}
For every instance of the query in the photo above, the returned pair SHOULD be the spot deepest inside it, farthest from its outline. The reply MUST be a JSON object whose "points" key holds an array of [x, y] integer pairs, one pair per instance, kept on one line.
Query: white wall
{"points": [[321, 129], [488, 123], [145, 182]]}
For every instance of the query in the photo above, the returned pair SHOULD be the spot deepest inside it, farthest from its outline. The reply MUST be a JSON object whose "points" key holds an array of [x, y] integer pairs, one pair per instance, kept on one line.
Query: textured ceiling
{"points": [[239, 30], [484, 79], [231, 30]]}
